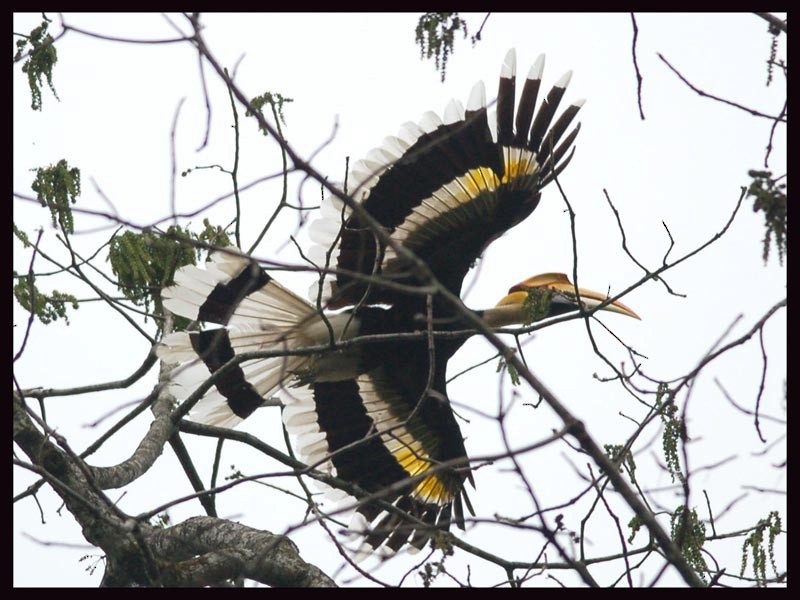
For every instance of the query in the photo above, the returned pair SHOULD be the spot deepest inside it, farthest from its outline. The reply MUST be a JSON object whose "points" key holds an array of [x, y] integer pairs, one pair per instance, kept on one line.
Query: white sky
{"points": [[360, 77]]}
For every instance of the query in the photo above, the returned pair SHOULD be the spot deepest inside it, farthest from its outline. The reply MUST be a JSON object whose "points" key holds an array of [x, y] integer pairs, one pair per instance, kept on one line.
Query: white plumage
{"points": [[271, 318]]}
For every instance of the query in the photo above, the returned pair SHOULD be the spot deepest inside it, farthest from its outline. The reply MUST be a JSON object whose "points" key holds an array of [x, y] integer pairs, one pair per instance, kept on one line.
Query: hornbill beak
{"points": [[562, 296]]}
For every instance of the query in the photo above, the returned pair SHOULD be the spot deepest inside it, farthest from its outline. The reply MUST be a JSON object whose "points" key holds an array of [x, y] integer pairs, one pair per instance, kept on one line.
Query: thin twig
{"points": [[697, 90], [636, 66]]}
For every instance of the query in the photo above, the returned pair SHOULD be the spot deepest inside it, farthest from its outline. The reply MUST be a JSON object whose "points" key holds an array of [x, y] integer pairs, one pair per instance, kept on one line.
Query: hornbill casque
{"points": [[377, 414]]}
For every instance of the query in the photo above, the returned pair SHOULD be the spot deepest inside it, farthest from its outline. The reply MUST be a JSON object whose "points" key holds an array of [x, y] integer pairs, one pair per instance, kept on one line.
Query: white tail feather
{"points": [[271, 318]]}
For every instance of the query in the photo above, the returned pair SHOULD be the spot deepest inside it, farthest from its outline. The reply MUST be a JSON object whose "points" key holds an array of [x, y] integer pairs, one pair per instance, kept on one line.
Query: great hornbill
{"points": [[377, 414]]}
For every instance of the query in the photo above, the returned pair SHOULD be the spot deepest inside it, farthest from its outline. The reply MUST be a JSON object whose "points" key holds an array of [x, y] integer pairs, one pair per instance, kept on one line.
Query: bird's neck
{"points": [[502, 316]]}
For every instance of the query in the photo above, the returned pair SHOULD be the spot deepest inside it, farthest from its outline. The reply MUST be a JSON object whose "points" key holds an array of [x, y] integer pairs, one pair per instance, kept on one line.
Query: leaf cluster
{"points": [[624, 458], [537, 305], [275, 100], [145, 262], [56, 186], [433, 568], [770, 198], [47, 308], [674, 432], [689, 532], [756, 543], [435, 35], [512, 371], [774, 32], [42, 57]]}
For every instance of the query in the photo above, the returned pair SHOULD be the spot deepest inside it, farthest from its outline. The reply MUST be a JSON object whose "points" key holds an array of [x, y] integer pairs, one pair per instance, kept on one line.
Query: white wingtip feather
{"points": [[358, 524], [537, 68], [213, 410], [509, 68], [363, 552], [430, 122], [477, 97], [379, 157], [453, 112], [327, 288], [175, 348], [180, 307], [409, 133], [323, 231], [395, 145], [564, 81]]}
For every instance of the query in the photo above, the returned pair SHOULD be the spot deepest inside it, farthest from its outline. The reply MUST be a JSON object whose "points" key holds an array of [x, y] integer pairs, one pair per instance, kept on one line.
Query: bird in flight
{"points": [[364, 388]]}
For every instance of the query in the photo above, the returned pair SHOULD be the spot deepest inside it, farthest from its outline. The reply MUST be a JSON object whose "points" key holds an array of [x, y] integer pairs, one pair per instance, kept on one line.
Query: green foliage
{"points": [[21, 236], [214, 235], [47, 308], [55, 187], [770, 198], [625, 460], [42, 57], [432, 569], [635, 525], [146, 262], [512, 371], [435, 35], [535, 308], [429, 572], [755, 543], [690, 535], [537, 305], [674, 431], [275, 100]]}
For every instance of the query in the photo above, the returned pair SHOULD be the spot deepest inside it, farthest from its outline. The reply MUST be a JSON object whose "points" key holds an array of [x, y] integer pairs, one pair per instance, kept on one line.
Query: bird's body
{"points": [[375, 413]]}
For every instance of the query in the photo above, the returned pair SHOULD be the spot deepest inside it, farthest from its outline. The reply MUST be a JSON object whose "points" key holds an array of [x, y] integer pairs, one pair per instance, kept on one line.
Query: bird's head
{"points": [[550, 295]]}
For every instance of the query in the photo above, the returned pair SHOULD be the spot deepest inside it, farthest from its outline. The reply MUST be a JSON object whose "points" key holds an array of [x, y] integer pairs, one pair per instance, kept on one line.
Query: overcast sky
{"points": [[354, 80]]}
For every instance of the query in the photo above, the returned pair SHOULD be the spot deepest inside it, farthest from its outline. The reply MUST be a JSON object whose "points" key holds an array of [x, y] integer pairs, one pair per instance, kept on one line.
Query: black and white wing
{"points": [[444, 188], [369, 431]]}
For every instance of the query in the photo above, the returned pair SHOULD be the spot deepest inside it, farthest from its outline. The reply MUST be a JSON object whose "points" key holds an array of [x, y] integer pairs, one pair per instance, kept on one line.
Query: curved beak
{"points": [[565, 295]]}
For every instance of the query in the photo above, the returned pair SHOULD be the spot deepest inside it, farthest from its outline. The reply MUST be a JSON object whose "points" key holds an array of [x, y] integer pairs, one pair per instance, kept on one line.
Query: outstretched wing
{"points": [[445, 188], [371, 432]]}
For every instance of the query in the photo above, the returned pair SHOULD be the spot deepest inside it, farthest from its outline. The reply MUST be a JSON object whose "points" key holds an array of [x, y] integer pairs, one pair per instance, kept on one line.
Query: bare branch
{"points": [[773, 21], [694, 88], [636, 66]]}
